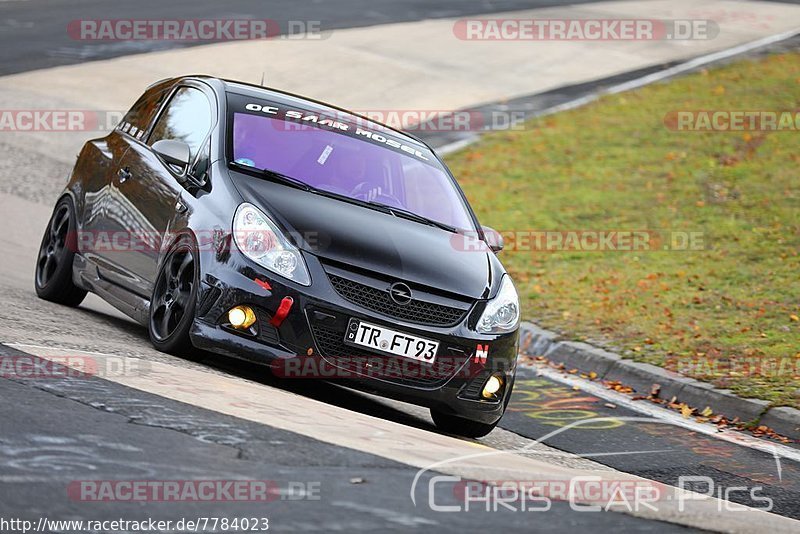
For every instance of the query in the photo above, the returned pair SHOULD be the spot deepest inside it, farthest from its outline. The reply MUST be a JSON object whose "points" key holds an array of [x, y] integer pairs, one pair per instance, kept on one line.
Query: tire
{"points": [[53, 273], [467, 428], [450, 424], [172, 305]]}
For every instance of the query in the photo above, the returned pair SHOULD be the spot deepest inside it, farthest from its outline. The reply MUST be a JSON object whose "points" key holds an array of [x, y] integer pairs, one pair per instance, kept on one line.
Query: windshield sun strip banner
{"points": [[298, 120]]}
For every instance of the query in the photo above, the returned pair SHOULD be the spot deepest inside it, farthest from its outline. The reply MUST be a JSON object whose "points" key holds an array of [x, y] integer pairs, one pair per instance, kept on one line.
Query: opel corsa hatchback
{"points": [[262, 225]]}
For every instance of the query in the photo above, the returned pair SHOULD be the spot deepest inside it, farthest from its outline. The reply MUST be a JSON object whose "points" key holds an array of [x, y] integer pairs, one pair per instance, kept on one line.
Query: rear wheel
{"points": [[53, 278], [173, 303]]}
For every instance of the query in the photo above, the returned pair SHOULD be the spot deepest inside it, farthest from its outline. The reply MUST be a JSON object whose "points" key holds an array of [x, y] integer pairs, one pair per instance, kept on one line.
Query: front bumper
{"points": [[309, 343]]}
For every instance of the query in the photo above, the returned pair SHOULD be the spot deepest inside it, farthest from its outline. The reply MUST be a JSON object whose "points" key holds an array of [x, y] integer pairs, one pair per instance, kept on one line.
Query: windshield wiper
{"points": [[294, 182], [358, 202], [406, 214], [385, 208], [276, 176]]}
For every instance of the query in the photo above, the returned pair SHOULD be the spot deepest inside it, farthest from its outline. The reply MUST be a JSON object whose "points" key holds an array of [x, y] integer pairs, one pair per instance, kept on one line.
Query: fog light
{"points": [[241, 317], [492, 386]]}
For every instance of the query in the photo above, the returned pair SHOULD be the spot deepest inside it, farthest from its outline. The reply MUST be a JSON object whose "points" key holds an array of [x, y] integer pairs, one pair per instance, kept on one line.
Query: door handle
{"points": [[124, 174]]}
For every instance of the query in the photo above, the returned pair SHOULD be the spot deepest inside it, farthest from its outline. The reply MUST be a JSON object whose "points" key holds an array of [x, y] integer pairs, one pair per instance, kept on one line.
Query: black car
{"points": [[262, 225]]}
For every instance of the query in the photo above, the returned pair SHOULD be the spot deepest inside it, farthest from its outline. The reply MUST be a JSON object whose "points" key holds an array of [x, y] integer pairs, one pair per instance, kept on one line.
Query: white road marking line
{"points": [[703, 60], [641, 82], [657, 412]]}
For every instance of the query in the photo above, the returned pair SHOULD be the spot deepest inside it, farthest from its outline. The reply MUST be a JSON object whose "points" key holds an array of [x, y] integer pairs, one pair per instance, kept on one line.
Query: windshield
{"points": [[362, 164]]}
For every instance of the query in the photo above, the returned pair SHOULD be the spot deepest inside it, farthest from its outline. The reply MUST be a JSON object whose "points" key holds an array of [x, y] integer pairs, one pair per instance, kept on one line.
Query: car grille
{"points": [[402, 371], [266, 332], [416, 311], [473, 389], [210, 298]]}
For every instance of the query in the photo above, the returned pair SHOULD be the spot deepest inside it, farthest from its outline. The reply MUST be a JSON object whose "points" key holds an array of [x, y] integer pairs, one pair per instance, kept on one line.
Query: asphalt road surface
{"points": [[56, 432], [33, 34], [654, 450]]}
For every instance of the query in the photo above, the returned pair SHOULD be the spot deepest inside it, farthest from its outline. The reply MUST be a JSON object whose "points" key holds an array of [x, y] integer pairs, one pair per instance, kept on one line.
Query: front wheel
{"points": [[460, 426], [172, 305], [53, 279]]}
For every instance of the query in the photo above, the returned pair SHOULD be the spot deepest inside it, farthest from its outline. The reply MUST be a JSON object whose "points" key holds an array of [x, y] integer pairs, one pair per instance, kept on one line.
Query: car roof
{"points": [[307, 104]]}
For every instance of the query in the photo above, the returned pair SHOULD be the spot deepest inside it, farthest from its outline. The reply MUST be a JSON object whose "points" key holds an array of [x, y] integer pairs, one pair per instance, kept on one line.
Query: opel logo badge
{"points": [[400, 293]]}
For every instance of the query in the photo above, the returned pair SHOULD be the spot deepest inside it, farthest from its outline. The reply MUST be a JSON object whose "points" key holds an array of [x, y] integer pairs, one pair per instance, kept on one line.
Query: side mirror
{"points": [[493, 239], [175, 153]]}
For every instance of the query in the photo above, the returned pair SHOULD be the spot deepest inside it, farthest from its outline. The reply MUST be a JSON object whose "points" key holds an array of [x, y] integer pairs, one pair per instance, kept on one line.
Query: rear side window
{"points": [[141, 114], [186, 118]]}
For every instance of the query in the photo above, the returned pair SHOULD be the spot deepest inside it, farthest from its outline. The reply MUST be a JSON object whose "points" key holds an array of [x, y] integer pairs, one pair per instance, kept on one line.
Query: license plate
{"points": [[390, 341]]}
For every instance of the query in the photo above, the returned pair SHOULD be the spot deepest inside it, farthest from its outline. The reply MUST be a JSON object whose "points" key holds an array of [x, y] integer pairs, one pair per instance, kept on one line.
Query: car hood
{"points": [[372, 240]]}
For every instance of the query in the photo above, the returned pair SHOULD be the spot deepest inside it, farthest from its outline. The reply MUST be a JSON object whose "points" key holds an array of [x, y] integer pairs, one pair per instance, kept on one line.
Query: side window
{"points": [[138, 118], [186, 118]]}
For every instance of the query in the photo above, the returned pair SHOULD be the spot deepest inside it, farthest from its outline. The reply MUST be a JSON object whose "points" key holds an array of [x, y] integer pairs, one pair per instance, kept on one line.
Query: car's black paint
{"points": [[120, 184], [372, 240]]}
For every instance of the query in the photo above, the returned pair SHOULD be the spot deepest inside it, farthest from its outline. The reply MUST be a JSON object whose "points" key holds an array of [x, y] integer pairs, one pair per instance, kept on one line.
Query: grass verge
{"points": [[726, 309]]}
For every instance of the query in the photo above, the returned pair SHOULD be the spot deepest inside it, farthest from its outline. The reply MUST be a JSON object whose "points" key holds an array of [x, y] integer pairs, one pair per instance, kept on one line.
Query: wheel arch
{"points": [[172, 239]]}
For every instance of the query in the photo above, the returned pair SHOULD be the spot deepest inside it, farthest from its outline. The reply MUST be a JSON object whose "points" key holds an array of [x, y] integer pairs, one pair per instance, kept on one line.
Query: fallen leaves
{"points": [[618, 387], [765, 431], [706, 415]]}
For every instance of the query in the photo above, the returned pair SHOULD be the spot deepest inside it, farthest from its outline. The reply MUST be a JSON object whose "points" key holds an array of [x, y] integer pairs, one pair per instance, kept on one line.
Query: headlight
{"points": [[259, 239], [502, 312]]}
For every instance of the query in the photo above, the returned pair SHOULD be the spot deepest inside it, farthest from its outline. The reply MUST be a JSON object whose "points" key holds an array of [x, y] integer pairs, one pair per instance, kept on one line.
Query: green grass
{"points": [[614, 165]]}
